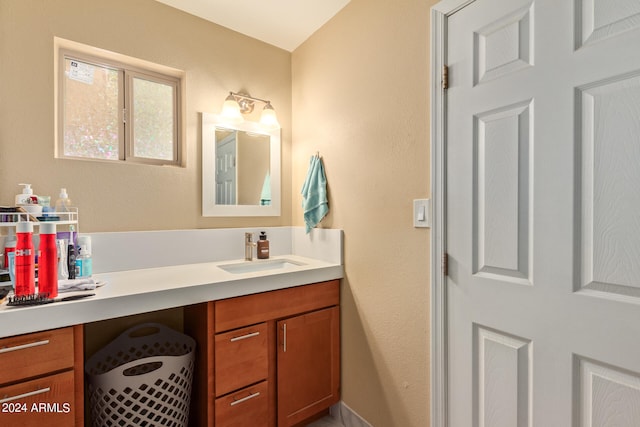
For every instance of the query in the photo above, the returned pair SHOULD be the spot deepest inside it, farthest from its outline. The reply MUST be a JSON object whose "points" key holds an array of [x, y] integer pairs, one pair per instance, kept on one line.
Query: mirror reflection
{"points": [[240, 168]]}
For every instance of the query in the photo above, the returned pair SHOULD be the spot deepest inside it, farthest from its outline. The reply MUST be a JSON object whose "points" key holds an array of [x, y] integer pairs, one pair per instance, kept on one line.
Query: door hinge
{"points": [[124, 115], [445, 77], [445, 264]]}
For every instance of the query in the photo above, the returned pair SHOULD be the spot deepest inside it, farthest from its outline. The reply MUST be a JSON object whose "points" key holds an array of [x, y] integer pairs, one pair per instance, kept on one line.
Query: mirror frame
{"points": [[209, 207]]}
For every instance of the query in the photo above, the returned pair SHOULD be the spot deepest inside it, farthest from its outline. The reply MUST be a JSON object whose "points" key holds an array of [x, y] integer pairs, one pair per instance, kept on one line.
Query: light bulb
{"points": [[231, 110], [268, 118]]}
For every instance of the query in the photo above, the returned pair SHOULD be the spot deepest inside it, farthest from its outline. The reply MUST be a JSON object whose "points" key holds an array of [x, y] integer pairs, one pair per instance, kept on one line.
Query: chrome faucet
{"points": [[248, 246]]}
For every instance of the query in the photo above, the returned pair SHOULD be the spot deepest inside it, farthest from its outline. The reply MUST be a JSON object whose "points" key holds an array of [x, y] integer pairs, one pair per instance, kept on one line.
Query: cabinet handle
{"points": [[244, 399], [23, 346], [29, 394], [284, 337], [244, 337]]}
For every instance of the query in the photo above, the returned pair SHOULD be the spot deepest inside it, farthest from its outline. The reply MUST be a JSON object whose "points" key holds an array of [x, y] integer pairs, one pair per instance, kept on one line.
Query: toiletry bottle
{"points": [[63, 268], [263, 246], [71, 257], [45, 202], [84, 264], [63, 203], [48, 261], [9, 246], [25, 260], [26, 197]]}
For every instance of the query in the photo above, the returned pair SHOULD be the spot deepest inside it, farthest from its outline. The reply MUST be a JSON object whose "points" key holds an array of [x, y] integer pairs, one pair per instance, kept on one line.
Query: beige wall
{"points": [[360, 98], [128, 197]]}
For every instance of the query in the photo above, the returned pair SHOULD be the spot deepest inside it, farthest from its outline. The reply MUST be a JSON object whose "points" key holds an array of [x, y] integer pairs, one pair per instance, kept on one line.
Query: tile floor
{"points": [[327, 421], [341, 416]]}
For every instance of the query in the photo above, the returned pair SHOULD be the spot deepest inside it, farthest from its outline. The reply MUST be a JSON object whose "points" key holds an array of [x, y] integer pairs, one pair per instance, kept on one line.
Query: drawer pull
{"points": [[244, 399], [244, 337], [29, 394], [284, 339], [23, 346]]}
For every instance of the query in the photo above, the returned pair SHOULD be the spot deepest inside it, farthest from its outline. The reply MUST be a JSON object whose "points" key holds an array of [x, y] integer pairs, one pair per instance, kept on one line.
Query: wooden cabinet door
{"points": [[308, 365]]}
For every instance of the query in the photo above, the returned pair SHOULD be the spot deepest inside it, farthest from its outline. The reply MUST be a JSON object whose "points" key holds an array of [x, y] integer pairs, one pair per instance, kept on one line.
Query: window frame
{"points": [[128, 69], [129, 75]]}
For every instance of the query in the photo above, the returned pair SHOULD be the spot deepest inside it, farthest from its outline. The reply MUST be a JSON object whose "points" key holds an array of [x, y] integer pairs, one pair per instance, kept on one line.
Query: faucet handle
{"points": [[248, 237]]}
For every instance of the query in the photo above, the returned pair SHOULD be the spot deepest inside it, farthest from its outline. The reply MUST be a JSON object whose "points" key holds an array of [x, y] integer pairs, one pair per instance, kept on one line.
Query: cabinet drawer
{"points": [[31, 355], [236, 312], [47, 401], [241, 358], [247, 407]]}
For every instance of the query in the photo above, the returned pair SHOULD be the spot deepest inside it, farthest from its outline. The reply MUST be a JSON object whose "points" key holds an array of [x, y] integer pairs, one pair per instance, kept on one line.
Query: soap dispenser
{"points": [[63, 203], [26, 197], [263, 246]]}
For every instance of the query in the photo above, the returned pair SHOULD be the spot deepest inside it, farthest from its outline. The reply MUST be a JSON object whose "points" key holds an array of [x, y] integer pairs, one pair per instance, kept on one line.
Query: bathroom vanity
{"points": [[268, 337], [267, 357]]}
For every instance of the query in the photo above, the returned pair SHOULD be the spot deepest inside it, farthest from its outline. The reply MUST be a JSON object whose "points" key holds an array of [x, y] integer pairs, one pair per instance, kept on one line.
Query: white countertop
{"points": [[139, 291]]}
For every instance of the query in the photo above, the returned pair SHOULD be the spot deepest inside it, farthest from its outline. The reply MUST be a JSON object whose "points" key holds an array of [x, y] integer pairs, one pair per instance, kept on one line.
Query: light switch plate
{"points": [[422, 213]]}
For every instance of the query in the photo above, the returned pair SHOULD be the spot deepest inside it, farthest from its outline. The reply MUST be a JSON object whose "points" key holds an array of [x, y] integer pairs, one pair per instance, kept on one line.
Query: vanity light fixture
{"points": [[237, 104]]}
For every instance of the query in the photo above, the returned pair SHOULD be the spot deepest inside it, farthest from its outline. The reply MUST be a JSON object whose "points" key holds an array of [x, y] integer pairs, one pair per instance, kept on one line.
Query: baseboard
{"points": [[347, 416]]}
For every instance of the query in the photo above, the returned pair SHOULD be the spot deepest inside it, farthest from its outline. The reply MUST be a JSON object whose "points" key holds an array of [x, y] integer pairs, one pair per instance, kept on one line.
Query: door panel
{"points": [[608, 396], [502, 379], [501, 194], [596, 20], [543, 213], [504, 45], [610, 195]]}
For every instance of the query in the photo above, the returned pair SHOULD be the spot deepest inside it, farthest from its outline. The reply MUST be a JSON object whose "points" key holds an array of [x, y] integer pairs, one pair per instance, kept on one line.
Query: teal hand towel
{"points": [[314, 194]]}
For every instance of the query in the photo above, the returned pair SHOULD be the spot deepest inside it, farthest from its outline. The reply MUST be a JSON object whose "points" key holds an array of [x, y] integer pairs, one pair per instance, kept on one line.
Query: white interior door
{"points": [[227, 170], [542, 213]]}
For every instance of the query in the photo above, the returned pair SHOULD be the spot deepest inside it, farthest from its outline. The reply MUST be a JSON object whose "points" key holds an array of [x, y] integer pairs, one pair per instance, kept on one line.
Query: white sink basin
{"points": [[259, 265]]}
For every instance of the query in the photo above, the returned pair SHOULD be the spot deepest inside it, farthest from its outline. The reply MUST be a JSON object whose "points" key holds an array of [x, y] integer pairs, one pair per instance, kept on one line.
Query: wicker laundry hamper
{"points": [[142, 378]]}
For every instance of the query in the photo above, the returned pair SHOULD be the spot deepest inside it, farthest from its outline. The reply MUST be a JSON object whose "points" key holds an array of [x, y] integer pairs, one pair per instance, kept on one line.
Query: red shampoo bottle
{"points": [[25, 260], [48, 261]]}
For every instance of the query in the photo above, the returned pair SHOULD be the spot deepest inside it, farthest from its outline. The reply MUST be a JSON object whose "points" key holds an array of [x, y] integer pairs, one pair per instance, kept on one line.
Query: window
{"points": [[112, 110]]}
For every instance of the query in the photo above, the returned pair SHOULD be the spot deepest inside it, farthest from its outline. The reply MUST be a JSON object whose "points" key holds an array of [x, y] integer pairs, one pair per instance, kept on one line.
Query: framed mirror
{"points": [[240, 168]]}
